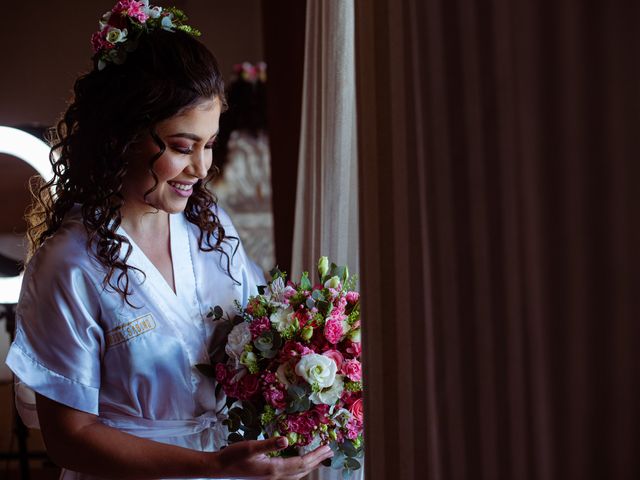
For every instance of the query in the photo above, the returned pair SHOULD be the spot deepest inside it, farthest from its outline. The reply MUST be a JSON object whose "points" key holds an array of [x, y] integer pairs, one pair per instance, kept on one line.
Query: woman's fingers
{"points": [[306, 463], [268, 445]]}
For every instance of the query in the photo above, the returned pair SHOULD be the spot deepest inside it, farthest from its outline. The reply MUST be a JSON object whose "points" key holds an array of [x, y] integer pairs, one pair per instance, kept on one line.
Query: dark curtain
{"points": [[500, 267], [283, 23]]}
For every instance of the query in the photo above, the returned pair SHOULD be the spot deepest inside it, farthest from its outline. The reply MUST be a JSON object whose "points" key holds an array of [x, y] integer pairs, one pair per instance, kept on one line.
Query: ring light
{"points": [[35, 152]]}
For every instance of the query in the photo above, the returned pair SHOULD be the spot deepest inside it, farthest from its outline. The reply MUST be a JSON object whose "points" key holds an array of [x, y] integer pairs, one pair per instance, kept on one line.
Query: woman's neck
{"points": [[145, 223]]}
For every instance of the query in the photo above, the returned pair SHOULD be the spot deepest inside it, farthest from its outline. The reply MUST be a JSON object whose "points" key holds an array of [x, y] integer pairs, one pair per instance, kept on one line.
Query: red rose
{"points": [[356, 410]]}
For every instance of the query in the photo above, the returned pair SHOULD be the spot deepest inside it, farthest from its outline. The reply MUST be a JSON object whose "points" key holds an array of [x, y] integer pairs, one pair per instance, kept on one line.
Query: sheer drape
{"points": [[326, 221], [499, 233]]}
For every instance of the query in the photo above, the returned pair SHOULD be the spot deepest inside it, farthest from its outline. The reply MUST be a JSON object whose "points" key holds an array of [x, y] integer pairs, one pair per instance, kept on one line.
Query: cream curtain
{"points": [[326, 220]]}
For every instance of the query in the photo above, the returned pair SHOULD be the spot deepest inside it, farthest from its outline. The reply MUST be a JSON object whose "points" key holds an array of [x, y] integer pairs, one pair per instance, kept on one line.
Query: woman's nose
{"points": [[201, 162]]}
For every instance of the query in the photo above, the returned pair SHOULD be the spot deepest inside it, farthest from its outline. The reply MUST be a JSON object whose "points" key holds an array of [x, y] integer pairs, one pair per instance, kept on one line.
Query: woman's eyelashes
{"points": [[189, 150]]}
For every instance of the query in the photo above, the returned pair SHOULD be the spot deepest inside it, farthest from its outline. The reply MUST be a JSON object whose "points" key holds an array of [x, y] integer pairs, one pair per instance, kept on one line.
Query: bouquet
{"points": [[293, 366]]}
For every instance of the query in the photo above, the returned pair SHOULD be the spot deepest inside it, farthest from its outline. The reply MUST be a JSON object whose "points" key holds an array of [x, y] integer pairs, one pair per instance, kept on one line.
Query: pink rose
{"points": [[336, 356], [353, 297], [249, 386], [357, 410], [333, 330], [353, 370]]}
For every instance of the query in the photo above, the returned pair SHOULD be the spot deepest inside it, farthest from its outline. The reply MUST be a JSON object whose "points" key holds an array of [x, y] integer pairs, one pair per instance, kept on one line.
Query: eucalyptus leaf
{"points": [[247, 417], [234, 424], [252, 433], [337, 461], [206, 369], [351, 463], [269, 354], [296, 391], [310, 303], [349, 449], [317, 295], [346, 474]]}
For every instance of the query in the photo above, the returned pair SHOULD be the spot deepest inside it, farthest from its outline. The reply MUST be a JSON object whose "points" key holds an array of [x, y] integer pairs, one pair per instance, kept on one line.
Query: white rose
{"points": [[239, 337], [331, 395], [282, 319], [317, 370]]}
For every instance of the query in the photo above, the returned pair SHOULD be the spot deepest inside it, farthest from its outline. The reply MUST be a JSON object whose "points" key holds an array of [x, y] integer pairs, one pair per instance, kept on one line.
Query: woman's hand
{"points": [[249, 460]]}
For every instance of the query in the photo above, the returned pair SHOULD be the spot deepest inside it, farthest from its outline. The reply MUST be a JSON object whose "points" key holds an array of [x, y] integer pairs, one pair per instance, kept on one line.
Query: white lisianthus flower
{"points": [[282, 319], [115, 35], [167, 22], [355, 335], [239, 336], [317, 370], [155, 12], [323, 266], [285, 374], [330, 395], [249, 360], [333, 282]]}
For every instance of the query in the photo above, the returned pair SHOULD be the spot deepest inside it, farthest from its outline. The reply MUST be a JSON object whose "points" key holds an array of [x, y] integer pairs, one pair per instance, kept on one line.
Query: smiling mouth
{"points": [[185, 187]]}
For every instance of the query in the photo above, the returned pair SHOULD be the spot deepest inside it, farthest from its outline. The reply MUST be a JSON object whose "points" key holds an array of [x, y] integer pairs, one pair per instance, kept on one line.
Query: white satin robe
{"points": [[81, 345]]}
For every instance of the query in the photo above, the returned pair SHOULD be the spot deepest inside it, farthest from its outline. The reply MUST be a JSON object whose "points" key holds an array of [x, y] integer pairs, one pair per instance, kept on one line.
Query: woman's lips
{"points": [[182, 189]]}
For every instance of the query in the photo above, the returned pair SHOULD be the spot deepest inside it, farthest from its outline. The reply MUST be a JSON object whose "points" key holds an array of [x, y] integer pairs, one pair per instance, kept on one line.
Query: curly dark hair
{"points": [[113, 108]]}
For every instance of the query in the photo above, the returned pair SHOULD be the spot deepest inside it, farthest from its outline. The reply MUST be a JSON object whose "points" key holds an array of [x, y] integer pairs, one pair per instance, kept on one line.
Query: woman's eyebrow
{"points": [[191, 136]]}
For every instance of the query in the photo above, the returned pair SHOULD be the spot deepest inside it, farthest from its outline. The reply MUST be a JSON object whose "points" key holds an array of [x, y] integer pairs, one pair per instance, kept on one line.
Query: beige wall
{"points": [[47, 43]]}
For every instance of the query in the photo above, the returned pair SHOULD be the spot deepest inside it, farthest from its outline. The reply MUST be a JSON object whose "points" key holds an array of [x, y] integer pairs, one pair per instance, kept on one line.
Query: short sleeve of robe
{"points": [[58, 341]]}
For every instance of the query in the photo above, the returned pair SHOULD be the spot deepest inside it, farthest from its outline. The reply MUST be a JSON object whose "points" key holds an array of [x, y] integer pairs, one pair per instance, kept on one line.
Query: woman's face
{"points": [[188, 138]]}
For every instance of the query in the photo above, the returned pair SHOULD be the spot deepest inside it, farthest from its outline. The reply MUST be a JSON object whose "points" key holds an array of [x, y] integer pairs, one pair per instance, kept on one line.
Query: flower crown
{"points": [[121, 27]]}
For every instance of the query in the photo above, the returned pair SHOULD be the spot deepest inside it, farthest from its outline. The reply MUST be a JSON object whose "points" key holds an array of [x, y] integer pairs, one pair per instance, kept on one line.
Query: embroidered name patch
{"points": [[127, 331]]}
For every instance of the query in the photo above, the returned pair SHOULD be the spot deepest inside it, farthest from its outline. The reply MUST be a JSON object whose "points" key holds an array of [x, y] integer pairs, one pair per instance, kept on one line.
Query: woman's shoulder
{"points": [[64, 252]]}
